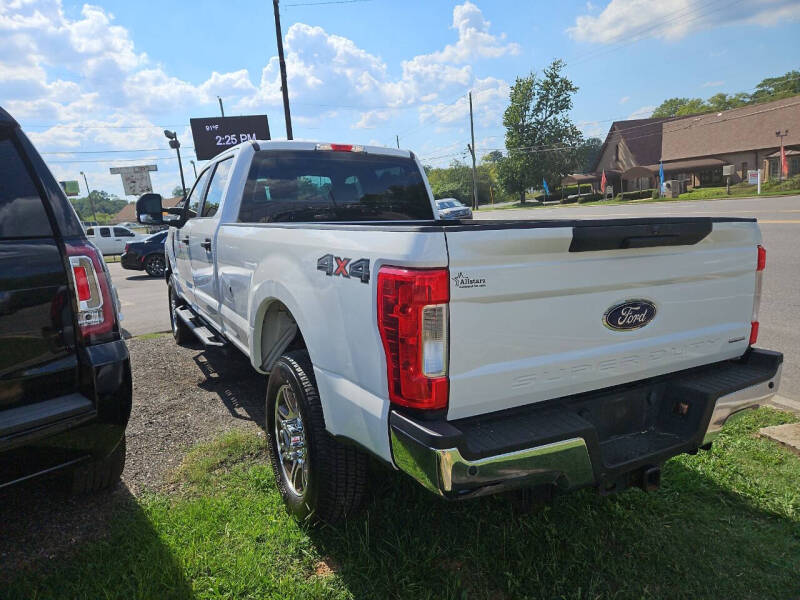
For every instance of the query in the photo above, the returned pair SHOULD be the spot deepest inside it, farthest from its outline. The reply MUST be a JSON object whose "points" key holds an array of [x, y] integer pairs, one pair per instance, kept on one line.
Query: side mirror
{"points": [[149, 210]]}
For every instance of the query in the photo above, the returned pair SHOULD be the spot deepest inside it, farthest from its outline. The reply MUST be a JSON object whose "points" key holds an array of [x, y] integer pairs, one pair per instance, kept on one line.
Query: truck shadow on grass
{"points": [[691, 539], [42, 528]]}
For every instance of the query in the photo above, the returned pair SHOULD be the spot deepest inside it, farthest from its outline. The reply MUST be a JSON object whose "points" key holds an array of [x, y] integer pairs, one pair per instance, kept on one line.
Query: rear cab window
{"points": [[309, 186], [22, 212]]}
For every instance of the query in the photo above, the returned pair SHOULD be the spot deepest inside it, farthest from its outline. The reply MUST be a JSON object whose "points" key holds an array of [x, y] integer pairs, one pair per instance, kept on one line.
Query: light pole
{"points": [[89, 197], [780, 167], [282, 63], [174, 143], [194, 168]]}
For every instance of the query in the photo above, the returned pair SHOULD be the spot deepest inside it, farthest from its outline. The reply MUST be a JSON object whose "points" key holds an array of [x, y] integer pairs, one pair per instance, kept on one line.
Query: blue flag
{"points": [[661, 174], [546, 189]]}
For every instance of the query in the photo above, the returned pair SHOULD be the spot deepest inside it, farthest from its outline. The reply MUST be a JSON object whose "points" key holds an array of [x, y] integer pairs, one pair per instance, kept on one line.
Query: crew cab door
{"points": [[202, 244], [121, 236], [183, 273]]}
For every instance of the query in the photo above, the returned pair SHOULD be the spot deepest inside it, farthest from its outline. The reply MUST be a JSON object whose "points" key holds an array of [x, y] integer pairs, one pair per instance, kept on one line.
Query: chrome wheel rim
{"points": [[290, 440]]}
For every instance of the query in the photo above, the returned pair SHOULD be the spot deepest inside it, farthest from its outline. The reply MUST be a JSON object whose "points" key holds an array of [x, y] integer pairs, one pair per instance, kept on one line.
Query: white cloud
{"points": [[713, 84], [626, 20], [624, 99], [642, 113]]}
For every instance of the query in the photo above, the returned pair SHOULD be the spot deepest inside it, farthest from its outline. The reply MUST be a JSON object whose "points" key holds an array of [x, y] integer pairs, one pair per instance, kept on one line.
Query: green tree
{"points": [[670, 107], [775, 88], [541, 140], [178, 191], [589, 153], [105, 206]]}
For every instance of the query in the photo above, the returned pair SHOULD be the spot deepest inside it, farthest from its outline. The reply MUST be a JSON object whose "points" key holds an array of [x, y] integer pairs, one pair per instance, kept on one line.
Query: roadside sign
{"points": [[135, 180], [212, 135], [71, 188], [752, 176]]}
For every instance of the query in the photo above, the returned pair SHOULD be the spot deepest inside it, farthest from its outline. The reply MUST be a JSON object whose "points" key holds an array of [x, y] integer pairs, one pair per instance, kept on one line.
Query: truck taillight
{"points": [[413, 321], [761, 263], [95, 314]]}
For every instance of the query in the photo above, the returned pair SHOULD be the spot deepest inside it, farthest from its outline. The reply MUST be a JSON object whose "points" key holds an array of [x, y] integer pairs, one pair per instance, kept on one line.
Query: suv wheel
{"points": [[99, 474], [155, 265], [180, 331], [319, 479]]}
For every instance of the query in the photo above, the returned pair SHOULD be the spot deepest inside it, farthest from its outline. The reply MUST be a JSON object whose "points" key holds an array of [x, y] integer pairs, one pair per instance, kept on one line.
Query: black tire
{"points": [[155, 265], [180, 330], [337, 473], [96, 475]]}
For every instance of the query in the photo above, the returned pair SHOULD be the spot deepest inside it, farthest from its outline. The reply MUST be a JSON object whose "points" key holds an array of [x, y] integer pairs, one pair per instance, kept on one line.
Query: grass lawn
{"points": [[725, 524]]}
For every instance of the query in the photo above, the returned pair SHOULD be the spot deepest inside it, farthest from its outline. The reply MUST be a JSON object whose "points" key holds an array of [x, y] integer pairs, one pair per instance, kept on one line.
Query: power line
{"points": [[111, 151], [325, 2]]}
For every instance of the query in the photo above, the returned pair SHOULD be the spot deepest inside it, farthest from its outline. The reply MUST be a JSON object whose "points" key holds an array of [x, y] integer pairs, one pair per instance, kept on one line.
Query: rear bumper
{"points": [[609, 438], [59, 432], [130, 260]]}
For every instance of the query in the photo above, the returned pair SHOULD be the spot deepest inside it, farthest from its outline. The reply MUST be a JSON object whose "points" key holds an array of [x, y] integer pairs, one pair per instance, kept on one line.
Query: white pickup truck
{"points": [[475, 356]]}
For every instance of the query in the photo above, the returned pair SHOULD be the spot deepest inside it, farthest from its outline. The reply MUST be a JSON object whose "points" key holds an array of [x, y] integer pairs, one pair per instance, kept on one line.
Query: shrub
{"points": [[655, 195]]}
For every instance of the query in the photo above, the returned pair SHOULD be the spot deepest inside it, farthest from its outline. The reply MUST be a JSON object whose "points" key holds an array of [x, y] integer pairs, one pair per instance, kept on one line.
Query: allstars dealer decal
{"points": [[343, 267], [463, 281]]}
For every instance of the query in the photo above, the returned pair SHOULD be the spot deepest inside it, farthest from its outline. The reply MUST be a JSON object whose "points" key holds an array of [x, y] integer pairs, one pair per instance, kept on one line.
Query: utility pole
{"points": [[780, 166], [89, 197], [176, 145], [397, 137], [282, 62], [472, 151], [222, 110]]}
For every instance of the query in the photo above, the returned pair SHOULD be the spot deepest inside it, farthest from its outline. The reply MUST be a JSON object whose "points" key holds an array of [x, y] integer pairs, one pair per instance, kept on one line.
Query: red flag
{"points": [[603, 183], [784, 163]]}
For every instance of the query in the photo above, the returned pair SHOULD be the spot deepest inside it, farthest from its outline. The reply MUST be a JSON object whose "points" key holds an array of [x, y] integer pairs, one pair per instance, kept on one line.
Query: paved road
{"points": [[779, 219], [143, 301]]}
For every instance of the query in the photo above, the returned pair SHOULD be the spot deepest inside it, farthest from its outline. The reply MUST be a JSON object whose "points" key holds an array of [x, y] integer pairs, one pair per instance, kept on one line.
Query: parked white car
{"points": [[450, 208], [474, 356], [111, 239]]}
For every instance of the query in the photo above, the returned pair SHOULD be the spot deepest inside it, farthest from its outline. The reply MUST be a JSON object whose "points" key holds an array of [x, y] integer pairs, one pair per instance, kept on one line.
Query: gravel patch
{"points": [[181, 396]]}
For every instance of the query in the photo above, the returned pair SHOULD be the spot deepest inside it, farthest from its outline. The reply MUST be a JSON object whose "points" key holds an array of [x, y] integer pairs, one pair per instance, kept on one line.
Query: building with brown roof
{"points": [[695, 149]]}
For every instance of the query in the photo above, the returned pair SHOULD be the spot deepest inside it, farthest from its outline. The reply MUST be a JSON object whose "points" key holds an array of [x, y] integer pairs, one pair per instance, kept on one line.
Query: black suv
{"points": [[65, 376]]}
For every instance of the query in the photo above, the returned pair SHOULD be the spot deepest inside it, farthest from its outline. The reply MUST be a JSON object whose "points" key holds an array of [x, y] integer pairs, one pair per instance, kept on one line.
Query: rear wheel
{"points": [[100, 474], [180, 331], [319, 478], [155, 265]]}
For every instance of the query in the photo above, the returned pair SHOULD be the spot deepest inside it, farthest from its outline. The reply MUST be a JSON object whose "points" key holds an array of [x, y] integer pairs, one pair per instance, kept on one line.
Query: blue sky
{"points": [[89, 78]]}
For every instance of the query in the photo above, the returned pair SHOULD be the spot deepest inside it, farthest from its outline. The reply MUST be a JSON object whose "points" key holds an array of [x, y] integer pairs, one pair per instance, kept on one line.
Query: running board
{"points": [[203, 333]]}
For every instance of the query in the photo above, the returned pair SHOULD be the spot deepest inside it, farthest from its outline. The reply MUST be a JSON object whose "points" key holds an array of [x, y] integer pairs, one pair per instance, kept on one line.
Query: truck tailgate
{"points": [[532, 304]]}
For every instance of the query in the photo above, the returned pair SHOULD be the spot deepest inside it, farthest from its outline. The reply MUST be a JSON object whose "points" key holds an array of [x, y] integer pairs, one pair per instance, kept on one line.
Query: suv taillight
{"points": [[95, 314], [413, 321], [761, 262]]}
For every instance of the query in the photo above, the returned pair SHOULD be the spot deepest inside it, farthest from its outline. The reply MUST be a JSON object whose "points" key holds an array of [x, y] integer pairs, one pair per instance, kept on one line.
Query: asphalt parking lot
{"points": [[144, 298]]}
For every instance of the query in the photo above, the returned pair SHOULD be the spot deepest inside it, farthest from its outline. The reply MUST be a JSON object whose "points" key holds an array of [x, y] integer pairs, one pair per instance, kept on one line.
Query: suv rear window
{"points": [[22, 213], [305, 186]]}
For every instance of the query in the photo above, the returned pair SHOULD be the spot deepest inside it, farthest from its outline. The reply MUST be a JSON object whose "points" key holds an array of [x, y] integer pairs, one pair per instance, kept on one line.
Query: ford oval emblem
{"points": [[631, 314]]}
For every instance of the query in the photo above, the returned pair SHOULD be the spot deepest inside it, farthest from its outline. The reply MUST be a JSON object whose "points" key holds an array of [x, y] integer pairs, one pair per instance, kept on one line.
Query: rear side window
{"points": [[22, 213], [305, 186], [105, 232], [217, 186], [90, 231]]}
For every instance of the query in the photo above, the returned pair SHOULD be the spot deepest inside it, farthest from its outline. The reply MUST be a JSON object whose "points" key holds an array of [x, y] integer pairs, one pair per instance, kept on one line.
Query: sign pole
{"points": [[89, 197]]}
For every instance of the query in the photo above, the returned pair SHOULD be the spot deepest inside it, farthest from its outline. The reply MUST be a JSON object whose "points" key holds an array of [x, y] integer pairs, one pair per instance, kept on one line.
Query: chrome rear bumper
{"points": [[433, 453]]}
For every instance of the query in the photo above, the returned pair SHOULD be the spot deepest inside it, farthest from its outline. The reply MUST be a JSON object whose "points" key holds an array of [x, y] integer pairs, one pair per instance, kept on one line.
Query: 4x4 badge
{"points": [[342, 267]]}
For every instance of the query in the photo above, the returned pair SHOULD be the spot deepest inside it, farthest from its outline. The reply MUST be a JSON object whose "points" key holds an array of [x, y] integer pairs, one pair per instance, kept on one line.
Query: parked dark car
{"points": [[65, 375], [147, 255]]}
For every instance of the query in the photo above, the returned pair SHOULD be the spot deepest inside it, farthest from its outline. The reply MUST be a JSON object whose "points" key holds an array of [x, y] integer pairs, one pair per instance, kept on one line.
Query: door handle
{"points": [[185, 240], [206, 244]]}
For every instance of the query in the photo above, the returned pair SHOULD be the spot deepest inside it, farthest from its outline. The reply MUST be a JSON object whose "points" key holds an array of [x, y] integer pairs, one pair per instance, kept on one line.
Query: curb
{"points": [[782, 403]]}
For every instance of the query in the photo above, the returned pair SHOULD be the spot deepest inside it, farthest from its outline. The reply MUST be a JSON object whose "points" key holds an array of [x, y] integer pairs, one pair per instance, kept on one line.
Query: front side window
{"points": [[22, 212], [196, 195], [303, 186], [217, 186], [122, 232]]}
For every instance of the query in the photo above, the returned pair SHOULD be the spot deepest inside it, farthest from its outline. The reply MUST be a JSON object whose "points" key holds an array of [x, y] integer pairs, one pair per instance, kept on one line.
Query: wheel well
{"points": [[279, 332]]}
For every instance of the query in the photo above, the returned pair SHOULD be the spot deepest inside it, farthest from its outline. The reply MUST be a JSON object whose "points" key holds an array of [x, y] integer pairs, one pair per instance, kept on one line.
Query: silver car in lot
{"points": [[450, 208]]}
